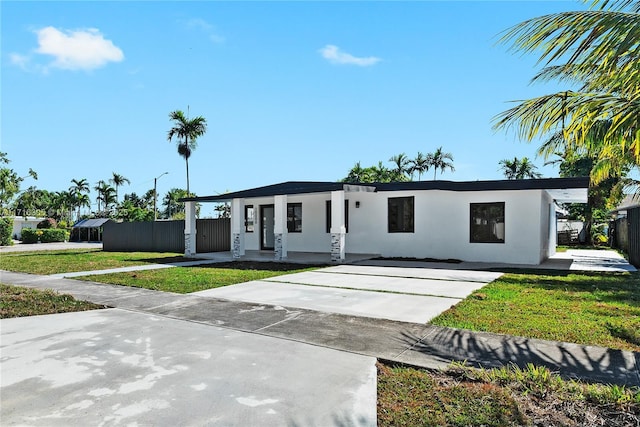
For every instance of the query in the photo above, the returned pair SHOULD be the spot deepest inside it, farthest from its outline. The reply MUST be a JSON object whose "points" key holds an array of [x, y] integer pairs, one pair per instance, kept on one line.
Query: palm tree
{"points": [[117, 180], [420, 165], [597, 49], [519, 169], [356, 174], [402, 167], [440, 160], [106, 195], [79, 188], [186, 131]]}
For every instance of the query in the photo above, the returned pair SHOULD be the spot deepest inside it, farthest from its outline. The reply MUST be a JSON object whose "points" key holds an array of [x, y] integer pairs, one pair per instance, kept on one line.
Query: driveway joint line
{"points": [[405, 277], [382, 291]]}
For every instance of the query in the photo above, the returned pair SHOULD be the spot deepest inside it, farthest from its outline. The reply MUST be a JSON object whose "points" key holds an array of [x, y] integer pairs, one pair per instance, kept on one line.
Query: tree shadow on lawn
{"points": [[610, 287]]}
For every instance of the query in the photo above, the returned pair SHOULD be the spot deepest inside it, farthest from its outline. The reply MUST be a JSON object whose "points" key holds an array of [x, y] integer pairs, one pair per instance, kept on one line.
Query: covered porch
{"points": [[272, 213]]}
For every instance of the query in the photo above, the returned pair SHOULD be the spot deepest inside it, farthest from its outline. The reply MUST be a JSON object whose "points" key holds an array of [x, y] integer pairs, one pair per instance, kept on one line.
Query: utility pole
{"points": [[155, 195]]}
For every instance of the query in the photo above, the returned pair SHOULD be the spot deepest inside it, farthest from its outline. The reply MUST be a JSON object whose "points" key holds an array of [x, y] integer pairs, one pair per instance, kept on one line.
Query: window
{"points": [[400, 214], [249, 218], [346, 215], [487, 223], [294, 217]]}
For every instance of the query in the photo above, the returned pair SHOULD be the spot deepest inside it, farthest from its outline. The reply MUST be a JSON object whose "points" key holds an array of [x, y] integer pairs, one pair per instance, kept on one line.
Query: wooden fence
{"points": [[212, 235]]}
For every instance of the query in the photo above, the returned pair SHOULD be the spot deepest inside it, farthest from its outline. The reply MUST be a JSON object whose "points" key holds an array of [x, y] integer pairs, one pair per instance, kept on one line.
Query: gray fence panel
{"points": [[160, 236], [213, 235], [633, 224]]}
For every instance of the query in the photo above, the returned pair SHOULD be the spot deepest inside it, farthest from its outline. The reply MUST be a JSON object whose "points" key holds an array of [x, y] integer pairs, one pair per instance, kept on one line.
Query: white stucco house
{"points": [[507, 221]]}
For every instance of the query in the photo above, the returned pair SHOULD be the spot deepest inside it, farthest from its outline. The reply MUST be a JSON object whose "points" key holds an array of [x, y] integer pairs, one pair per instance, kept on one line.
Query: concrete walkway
{"points": [[417, 344]]}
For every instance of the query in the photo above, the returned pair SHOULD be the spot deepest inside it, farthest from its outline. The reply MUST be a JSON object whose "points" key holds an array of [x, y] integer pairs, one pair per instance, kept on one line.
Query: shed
{"points": [[93, 227]]}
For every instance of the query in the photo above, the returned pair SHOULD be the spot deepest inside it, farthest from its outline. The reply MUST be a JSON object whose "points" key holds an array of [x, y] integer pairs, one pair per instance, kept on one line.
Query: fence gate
{"points": [[213, 235], [633, 224]]}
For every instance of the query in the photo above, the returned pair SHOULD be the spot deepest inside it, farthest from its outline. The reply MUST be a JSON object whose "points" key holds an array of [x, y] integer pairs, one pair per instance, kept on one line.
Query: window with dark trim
{"points": [[346, 215], [400, 214], [249, 218], [294, 217], [487, 223]]}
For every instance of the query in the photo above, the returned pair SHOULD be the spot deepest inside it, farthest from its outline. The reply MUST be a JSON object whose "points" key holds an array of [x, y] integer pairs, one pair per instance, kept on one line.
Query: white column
{"points": [[189, 229], [553, 229], [338, 228], [237, 228], [280, 227]]}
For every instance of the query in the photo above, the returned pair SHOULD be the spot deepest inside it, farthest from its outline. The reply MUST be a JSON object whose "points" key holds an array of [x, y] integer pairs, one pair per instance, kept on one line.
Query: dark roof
{"points": [[303, 187], [91, 223]]}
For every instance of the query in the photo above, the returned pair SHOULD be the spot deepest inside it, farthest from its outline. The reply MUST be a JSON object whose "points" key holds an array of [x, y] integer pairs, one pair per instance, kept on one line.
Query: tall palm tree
{"points": [[519, 169], [117, 180], [598, 50], [420, 165], [106, 195], [79, 188], [440, 160], [402, 166], [186, 131]]}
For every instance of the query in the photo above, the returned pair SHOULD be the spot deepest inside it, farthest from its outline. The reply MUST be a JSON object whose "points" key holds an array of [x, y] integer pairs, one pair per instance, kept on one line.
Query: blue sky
{"points": [[290, 90]]}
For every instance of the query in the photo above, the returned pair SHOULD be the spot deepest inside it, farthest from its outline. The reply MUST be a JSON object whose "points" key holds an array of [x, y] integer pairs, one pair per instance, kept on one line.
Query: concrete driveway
{"points": [[116, 367], [397, 293]]}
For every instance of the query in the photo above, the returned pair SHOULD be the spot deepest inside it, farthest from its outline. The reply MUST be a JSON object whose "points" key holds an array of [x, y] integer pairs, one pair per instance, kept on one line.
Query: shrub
{"points": [[30, 235], [47, 235], [54, 235], [47, 223], [6, 228]]}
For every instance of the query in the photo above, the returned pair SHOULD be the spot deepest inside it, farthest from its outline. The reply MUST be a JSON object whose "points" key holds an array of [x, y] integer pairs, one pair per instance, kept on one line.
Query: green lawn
{"points": [[462, 396], [597, 309], [67, 261], [17, 301], [192, 279]]}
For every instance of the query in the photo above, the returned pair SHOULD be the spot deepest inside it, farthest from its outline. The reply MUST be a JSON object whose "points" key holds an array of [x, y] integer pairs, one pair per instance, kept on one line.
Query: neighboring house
{"points": [[507, 221], [20, 223]]}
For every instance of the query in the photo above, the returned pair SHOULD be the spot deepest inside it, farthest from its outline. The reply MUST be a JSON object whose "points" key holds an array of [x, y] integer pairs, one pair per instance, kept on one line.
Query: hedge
{"points": [[6, 228], [46, 235]]}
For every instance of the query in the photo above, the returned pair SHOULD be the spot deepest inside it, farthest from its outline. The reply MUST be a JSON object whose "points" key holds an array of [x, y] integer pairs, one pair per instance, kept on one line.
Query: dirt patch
{"points": [[261, 265], [448, 261]]}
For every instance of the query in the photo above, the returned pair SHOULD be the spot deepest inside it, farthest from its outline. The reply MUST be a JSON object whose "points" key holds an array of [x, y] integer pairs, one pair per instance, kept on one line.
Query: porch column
{"points": [[338, 229], [553, 229], [280, 227], [189, 228], [237, 228]]}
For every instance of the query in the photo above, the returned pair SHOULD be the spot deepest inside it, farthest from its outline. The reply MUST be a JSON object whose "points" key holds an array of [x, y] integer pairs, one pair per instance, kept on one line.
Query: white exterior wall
{"points": [[20, 223], [313, 238], [441, 226]]}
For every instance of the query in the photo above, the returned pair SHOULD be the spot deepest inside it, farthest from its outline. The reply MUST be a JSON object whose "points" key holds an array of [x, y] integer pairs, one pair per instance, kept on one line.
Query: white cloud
{"points": [[334, 55], [205, 27], [85, 49], [21, 61]]}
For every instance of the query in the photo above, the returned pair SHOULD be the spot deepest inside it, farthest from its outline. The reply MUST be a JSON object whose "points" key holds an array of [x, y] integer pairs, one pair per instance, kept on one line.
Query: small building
{"points": [[89, 230], [20, 223], [506, 221]]}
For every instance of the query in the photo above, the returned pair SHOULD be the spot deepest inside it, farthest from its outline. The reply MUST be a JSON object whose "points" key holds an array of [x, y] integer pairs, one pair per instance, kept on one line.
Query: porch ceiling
{"points": [[570, 195]]}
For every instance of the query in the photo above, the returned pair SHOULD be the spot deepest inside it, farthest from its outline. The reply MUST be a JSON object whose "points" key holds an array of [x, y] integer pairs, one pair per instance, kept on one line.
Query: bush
{"points": [[47, 235], [47, 223], [30, 235], [6, 228], [54, 235]]}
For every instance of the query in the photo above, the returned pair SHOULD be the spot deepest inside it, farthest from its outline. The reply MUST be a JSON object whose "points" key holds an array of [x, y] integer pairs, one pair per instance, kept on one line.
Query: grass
{"points": [[591, 309], [67, 261], [463, 396], [17, 301], [192, 279]]}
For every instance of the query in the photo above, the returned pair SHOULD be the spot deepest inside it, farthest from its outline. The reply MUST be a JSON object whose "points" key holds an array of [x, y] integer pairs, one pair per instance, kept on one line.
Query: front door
{"points": [[268, 222]]}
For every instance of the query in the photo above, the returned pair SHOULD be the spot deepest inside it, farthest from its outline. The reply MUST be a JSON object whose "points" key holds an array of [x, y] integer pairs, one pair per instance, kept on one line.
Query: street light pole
{"points": [[155, 195]]}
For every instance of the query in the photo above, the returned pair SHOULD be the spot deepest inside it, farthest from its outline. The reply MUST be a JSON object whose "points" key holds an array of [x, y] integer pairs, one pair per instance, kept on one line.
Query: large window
{"points": [[294, 217], [249, 218], [487, 223], [346, 215], [400, 214]]}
